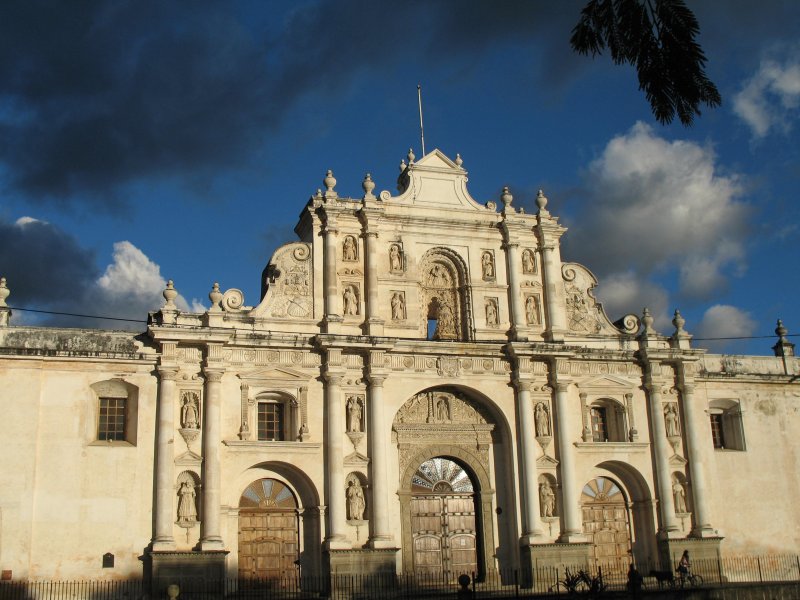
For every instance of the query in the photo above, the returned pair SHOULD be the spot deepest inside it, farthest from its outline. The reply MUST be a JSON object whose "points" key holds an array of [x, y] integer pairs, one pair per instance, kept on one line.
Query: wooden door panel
{"points": [[268, 543], [444, 534]]}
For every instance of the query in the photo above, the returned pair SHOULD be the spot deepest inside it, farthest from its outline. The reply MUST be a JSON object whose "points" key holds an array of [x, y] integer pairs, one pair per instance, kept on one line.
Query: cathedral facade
{"points": [[424, 386]]}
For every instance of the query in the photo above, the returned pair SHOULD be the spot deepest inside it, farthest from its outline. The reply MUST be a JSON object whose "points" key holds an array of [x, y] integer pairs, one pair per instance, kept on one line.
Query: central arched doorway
{"points": [[444, 523], [268, 531], [606, 523]]}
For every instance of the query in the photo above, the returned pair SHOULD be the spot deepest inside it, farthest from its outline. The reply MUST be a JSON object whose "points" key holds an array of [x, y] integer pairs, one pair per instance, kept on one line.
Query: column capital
{"points": [[687, 388], [333, 377], [376, 379], [213, 375], [370, 233], [561, 386], [522, 385], [167, 373]]}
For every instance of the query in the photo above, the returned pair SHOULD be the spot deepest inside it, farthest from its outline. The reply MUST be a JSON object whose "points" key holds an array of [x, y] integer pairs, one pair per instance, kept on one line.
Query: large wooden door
{"points": [[268, 531], [605, 523], [443, 521]]}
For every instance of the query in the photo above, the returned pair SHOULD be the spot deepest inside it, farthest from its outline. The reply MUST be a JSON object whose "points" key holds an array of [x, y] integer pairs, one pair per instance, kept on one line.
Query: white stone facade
{"points": [[396, 330]]}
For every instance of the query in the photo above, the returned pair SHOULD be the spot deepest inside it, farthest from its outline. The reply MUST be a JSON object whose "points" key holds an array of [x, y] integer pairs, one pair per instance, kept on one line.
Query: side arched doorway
{"points": [[444, 523], [268, 531], [606, 523]]}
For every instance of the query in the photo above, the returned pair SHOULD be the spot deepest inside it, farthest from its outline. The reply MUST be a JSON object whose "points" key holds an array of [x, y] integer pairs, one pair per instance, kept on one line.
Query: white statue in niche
{"points": [[542, 420], [491, 313], [349, 252], [395, 260], [187, 509], [532, 310], [528, 262], [438, 276], [398, 307], [679, 495], [442, 409], [487, 264], [671, 420], [547, 499], [354, 412], [350, 301], [446, 325], [190, 419], [355, 500]]}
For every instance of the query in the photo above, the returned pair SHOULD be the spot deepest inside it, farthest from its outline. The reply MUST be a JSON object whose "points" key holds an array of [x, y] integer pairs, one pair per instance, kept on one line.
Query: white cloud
{"points": [[132, 284], [625, 293], [23, 221], [724, 321], [656, 206], [770, 98]]}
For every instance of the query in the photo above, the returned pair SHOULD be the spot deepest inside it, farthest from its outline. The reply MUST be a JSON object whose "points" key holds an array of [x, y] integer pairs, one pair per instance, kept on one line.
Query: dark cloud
{"points": [[43, 264], [95, 95]]}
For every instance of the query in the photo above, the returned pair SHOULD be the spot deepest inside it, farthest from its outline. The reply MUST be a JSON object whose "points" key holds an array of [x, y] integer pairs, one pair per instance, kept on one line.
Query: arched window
{"points": [[275, 418], [607, 420], [725, 417], [115, 412]]}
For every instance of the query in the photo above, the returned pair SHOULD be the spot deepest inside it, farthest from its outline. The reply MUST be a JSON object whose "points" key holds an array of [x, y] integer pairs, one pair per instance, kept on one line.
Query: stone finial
{"points": [[4, 292], [170, 293], [647, 321], [506, 198], [330, 183], [368, 185], [403, 165], [411, 156], [459, 161], [784, 347], [5, 312], [678, 321], [680, 338], [216, 297], [541, 202]]}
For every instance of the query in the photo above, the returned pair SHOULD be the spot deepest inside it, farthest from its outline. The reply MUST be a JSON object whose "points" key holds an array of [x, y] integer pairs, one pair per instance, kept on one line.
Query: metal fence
{"points": [[610, 579]]}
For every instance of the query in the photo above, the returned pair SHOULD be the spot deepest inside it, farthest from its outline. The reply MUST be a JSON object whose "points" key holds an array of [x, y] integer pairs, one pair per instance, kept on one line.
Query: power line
{"points": [[571, 340]]}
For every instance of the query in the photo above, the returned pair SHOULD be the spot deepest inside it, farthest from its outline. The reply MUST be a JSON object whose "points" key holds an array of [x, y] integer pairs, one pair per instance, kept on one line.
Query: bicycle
{"points": [[690, 578]]}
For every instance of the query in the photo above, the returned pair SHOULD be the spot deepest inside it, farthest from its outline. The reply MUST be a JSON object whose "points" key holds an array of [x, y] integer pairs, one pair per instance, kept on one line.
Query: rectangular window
{"points": [[270, 421], [111, 423], [717, 430], [599, 430]]}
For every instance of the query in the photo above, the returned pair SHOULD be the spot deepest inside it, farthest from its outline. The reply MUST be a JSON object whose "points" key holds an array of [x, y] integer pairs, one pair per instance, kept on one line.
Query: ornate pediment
{"points": [[546, 462], [676, 461], [276, 375], [606, 384], [441, 407]]}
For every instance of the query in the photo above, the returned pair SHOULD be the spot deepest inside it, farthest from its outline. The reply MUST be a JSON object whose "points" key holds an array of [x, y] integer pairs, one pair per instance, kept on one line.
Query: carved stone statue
{"points": [[491, 313], [438, 276], [349, 252], [487, 265], [354, 412], [532, 310], [355, 501], [398, 307], [350, 301], [671, 420], [542, 420], [395, 259], [679, 495], [442, 409], [547, 499], [190, 419], [528, 262], [446, 325], [187, 509]]}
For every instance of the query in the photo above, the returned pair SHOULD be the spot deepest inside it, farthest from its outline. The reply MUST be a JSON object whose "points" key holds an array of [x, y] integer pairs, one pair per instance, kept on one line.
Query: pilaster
{"points": [[210, 538], [165, 485]]}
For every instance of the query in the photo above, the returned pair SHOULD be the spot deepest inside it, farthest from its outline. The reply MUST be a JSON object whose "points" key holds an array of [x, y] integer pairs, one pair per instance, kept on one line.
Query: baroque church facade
{"points": [[424, 386]]}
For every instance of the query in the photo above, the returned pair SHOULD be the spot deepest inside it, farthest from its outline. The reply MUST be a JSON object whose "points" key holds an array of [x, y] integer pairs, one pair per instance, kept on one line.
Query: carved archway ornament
{"points": [[444, 295]]}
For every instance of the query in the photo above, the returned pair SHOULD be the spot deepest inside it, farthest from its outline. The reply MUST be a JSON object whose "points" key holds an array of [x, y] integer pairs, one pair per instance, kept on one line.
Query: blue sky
{"points": [[141, 141]]}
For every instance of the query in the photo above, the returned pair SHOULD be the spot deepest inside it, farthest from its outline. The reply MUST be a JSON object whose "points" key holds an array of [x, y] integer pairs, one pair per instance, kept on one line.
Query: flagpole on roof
{"points": [[421, 128]]}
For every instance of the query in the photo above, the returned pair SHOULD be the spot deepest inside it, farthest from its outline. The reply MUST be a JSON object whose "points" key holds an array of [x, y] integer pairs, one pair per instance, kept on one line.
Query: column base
{"points": [[554, 335], [337, 543], [332, 323], [540, 561], [374, 326], [572, 538], [704, 531], [533, 539], [163, 545], [212, 544], [670, 534], [363, 561], [382, 543]]}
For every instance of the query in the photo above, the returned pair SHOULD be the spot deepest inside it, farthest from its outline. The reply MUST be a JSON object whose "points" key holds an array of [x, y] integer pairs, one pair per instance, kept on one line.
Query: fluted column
{"points": [[374, 322], [165, 484], [517, 313], [527, 463], [702, 526], [211, 538], [334, 413], [661, 451], [378, 443], [573, 530], [551, 269], [332, 302]]}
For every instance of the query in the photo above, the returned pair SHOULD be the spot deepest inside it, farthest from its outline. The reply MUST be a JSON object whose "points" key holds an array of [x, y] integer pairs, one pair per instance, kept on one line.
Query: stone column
{"points": [[374, 322], [572, 531], [661, 451], [378, 443], [165, 476], [334, 413], [527, 463], [554, 308], [210, 536], [586, 418], [517, 312], [332, 301], [702, 527], [633, 434]]}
